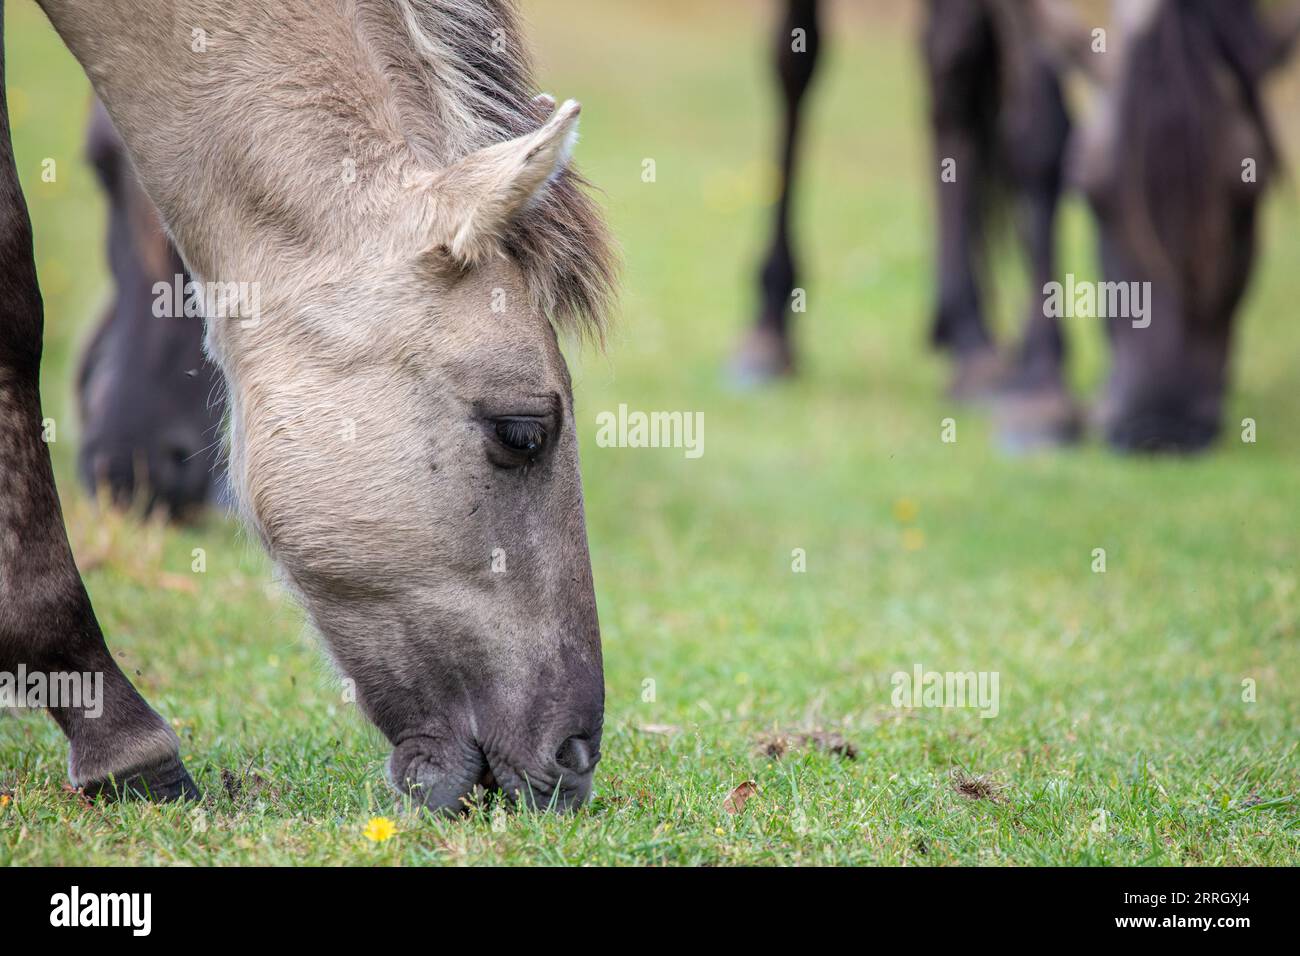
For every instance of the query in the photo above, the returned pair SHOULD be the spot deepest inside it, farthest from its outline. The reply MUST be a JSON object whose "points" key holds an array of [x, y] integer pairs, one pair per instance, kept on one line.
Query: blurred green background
{"points": [[1121, 692]]}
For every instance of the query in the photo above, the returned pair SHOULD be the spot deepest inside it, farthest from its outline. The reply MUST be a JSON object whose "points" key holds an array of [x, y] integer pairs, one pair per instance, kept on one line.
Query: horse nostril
{"points": [[575, 755], [1181, 434], [179, 457], [181, 465], [107, 473]]}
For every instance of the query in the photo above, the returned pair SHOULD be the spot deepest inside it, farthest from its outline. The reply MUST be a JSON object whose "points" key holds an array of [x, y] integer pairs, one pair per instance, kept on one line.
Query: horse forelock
{"points": [[462, 76]]}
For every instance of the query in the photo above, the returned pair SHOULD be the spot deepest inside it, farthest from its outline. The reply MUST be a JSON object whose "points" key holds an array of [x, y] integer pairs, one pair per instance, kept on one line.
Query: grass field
{"points": [[1122, 735]]}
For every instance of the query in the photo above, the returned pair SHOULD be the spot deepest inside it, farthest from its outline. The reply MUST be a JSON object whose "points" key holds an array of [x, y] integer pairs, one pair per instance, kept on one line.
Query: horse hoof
{"points": [[764, 356], [978, 377], [163, 784], [1034, 420]]}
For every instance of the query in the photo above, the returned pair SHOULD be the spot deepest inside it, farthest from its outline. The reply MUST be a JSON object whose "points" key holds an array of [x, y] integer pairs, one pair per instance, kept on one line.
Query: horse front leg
{"points": [[47, 626], [960, 52], [766, 352], [1036, 408]]}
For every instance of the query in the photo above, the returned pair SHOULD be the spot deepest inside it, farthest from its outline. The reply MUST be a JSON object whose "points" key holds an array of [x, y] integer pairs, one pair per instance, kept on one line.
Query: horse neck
{"points": [[268, 138]]}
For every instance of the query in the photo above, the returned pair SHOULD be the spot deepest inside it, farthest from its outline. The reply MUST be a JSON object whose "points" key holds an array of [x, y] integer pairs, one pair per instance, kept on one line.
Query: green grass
{"points": [[1121, 691]]}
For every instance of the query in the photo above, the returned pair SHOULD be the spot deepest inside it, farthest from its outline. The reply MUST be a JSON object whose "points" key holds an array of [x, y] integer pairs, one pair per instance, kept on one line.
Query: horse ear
{"points": [[468, 206]]}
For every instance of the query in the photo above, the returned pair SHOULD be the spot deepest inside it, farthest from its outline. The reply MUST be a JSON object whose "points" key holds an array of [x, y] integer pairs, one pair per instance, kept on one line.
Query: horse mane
{"points": [[1171, 118], [462, 76]]}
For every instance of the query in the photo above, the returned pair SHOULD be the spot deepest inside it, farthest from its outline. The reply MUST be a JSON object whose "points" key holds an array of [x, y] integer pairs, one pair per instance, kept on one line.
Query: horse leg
{"points": [[47, 625], [1035, 407], [767, 352], [961, 60], [1041, 357]]}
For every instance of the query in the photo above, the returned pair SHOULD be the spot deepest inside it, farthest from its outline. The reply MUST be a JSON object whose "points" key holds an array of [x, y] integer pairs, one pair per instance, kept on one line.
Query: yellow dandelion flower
{"points": [[5, 799], [913, 539], [379, 829], [905, 510]]}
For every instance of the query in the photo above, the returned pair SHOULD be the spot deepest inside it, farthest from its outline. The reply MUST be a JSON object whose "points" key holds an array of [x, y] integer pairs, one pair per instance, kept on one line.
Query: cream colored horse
{"points": [[391, 217]]}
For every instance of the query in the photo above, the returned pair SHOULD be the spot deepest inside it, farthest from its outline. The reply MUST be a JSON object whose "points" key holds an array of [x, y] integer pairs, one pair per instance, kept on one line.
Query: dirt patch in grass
{"points": [[777, 744], [978, 786], [247, 784]]}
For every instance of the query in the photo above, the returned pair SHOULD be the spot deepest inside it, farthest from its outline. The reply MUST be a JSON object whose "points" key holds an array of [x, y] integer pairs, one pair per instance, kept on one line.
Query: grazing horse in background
{"points": [[1000, 126], [1174, 164], [150, 402], [998, 116], [401, 414]]}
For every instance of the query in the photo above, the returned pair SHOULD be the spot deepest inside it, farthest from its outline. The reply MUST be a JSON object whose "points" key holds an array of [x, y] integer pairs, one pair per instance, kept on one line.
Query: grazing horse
{"points": [[1003, 138], [380, 177], [150, 402], [1174, 164]]}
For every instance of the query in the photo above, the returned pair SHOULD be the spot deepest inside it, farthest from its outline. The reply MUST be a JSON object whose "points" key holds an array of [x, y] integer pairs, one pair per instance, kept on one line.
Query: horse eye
{"points": [[522, 435]]}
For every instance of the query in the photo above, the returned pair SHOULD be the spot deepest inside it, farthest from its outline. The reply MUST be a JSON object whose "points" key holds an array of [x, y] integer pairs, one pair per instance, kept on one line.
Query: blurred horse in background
{"points": [[1174, 162], [1003, 141], [150, 402]]}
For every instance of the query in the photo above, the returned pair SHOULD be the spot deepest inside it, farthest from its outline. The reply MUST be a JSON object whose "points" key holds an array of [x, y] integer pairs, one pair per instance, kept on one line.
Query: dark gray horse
{"points": [[1002, 144], [150, 402], [1174, 166]]}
